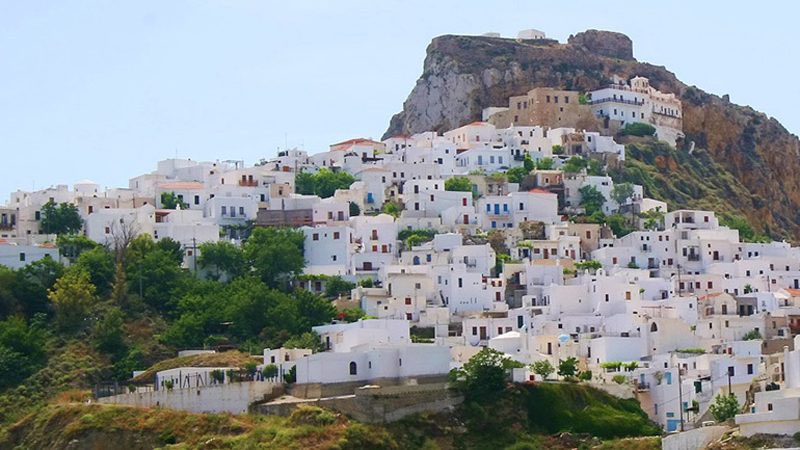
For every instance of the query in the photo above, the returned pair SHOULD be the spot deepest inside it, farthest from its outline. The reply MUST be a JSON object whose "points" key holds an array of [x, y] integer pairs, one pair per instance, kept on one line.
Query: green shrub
{"points": [[619, 379], [311, 415], [269, 371], [638, 129]]}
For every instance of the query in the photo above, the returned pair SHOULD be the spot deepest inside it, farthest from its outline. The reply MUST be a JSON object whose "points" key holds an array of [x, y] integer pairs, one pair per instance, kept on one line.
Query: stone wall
{"points": [[234, 398], [378, 404], [693, 439]]}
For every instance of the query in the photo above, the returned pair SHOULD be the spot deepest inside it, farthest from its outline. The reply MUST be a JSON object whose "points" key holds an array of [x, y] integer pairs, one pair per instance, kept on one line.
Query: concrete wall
{"points": [[376, 404], [693, 439], [318, 390], [233, 398]]}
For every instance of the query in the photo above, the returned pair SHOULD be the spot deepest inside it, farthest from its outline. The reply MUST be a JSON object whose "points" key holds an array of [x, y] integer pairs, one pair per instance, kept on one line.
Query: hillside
{"points": [[753, 152], [521, 420]]}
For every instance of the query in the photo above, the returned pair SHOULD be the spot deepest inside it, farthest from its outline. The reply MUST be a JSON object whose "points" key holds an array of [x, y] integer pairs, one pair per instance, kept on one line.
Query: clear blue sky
{"points": [[104, 89]]}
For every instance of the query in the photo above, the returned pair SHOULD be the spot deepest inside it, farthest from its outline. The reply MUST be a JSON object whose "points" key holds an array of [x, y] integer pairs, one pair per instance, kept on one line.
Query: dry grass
{"points": [[224, 359]]}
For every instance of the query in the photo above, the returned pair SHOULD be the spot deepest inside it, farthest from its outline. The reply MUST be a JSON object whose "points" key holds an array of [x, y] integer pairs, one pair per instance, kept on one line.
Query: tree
{"points": [[621, 193], [99, 264], [592, 200], [109, 335], [653, 219], [169, 200], [350, 315], [752, 335], [595, 168], [326, 182], [574, 165], [458, 183], [313, 309], [275, 255], [591, 265], [309, 340], [172, 247], [355, 210], [618, 224], [22, 350], [517, 174], [73, 296], [528, 163], [323, 183], [393, 208], [32, 284], [63, 218], [71, 246], [484, 375], [567, 368], [222, 258], [543, 368], [154, 274], [724, 407], [336, 286], [545, 164], [304, 183]]}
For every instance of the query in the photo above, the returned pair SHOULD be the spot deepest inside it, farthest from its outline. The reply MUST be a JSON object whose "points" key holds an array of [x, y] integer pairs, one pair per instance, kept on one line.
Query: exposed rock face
{"points": [[604, 43], [464, 74]]}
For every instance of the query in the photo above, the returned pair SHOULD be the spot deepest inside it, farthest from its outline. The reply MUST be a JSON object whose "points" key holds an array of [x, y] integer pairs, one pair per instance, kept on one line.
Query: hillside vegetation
{"points": [[525, 417]]}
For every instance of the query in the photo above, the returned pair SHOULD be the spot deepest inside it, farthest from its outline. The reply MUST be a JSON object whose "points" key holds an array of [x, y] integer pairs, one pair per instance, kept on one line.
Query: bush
{"points": [[724, 407], [585, 375], [270, 371], [290, 376], [619, 379], [638, 129], [312, 415], [458, 183]]}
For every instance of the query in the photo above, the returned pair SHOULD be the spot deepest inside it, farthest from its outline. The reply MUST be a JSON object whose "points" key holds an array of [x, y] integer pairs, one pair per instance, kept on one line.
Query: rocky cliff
{"points": [[464, 74]]}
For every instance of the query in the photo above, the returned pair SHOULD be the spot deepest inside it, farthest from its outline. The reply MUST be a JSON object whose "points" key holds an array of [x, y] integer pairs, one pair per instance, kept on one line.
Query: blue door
{"points": [[370, 199], [497, 208], [673, 425]]}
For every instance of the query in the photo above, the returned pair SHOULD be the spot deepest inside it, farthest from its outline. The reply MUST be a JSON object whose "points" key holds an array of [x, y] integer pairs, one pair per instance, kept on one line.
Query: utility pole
{"points": [[680, 394]]}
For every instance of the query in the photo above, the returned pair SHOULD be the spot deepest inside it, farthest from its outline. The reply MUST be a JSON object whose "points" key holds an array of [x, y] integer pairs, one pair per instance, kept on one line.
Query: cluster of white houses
{"points": [[699, 312]]}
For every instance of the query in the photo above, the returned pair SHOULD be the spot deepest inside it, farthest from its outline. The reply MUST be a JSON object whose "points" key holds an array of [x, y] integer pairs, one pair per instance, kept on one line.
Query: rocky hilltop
{"points": [[758, 157]]}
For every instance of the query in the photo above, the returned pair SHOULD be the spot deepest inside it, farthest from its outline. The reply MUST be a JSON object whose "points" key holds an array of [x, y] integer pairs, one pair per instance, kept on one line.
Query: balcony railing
{"points": [[693, 257], [616, 100], [248, 183]]}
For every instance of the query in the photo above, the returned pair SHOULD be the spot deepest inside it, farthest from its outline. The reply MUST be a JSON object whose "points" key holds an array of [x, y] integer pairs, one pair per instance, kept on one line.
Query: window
{"points": [[22, 257], [315, 236], [241, 210], [38, 215], [749, 369], [474, 331], [353, 368], [408, 300], [224, 210], [417, 285], [196, 199], [460, 282], [336, 235]]}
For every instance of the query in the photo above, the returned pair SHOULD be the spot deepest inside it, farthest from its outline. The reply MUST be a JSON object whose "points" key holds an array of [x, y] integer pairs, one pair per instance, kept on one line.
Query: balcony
{"points": [[642, 387], [693, 257], [616, 100], [248, 183], [7, 226]]}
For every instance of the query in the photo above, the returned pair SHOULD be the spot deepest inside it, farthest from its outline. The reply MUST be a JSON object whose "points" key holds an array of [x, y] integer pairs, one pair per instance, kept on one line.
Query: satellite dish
{"points": [[563, 338]]}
